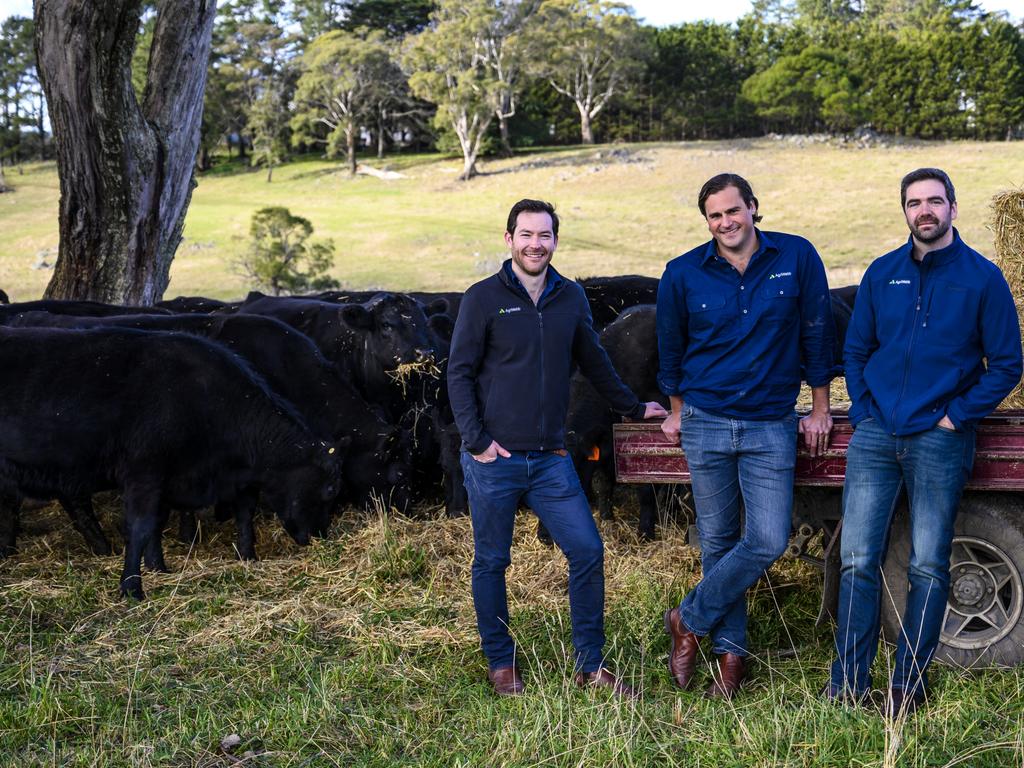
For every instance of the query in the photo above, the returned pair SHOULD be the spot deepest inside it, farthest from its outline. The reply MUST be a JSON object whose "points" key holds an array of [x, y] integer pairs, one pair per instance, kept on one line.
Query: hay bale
{"points": [[1007, 225]]}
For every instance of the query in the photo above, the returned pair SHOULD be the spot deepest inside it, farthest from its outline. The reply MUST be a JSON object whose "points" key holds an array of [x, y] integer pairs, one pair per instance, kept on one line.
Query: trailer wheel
{"points": [[984, 621]]}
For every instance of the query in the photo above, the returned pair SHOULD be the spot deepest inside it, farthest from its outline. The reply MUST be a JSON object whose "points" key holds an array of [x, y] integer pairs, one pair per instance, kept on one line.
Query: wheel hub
{"points": [[973, 587]]}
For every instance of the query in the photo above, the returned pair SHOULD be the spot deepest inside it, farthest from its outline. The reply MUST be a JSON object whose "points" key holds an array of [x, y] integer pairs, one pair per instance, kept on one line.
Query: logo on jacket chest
{"points": [[509, 310], [899, 282]]}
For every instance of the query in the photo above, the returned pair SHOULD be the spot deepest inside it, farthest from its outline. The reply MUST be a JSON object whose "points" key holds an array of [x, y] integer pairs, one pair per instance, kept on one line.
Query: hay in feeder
{"points": [[1008, 227]]}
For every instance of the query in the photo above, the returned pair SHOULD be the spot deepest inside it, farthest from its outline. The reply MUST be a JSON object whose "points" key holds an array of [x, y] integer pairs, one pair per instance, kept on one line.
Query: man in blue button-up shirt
{"points": [[932, 348], [740, 320]]}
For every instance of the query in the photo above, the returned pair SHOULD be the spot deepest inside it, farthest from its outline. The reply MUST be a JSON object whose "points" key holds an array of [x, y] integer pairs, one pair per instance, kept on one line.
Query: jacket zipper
{"points": [[910, 346], [543, 425]]}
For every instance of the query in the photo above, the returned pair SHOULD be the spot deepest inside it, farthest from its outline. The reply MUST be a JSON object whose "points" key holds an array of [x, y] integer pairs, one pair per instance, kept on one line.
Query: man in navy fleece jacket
{"points": [[517, 336], [932, 348]]}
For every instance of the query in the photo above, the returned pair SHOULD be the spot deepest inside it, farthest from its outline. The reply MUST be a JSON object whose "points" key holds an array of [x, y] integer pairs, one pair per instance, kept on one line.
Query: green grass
{"points": [[362, 651], [621, 215]]}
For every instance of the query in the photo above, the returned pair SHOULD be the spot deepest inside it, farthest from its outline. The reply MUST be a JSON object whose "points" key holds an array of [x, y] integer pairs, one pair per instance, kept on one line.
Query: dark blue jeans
{"points": [[547, 482], [729, 458], [934, 466]]}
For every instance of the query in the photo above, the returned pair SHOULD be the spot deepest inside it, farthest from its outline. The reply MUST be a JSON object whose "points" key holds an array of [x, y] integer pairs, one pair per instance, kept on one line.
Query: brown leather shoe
{"points": [[604, 678], [728, 677], [682, 656], [506, 681]]}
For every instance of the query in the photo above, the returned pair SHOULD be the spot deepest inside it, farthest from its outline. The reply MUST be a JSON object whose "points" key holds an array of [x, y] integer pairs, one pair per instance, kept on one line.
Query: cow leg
{"points": [[245, 508], [154, 554], [456, 498], [83, 518], [648, 511], [141, 523], [604, 488], [10, 511], [187, 529], [543, 534]]}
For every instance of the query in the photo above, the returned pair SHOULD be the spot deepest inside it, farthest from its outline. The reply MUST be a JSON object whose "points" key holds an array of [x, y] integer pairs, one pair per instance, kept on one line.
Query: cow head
{"points": [[384, 473], [304, 495], [394, 327]]}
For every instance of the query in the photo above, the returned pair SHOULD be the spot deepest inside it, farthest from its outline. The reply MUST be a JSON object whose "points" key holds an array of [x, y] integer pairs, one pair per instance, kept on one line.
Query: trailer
{"points": [[984, 620]]}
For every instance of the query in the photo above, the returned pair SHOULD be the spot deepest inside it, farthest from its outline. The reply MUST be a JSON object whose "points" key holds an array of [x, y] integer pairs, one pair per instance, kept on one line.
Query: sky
{"points": [[655, 12]]}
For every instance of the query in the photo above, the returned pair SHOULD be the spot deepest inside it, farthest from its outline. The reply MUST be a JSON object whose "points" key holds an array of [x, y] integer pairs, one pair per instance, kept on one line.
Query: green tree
{"points": [[807, 91], [19, 89], [341, 72], [588, 50], [281, 259], [449, 68]]}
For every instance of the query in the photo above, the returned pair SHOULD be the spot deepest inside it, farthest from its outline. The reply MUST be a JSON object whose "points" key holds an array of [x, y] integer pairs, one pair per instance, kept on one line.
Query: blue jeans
{"points": [[933, 466], [547, 482], [729, 458]]}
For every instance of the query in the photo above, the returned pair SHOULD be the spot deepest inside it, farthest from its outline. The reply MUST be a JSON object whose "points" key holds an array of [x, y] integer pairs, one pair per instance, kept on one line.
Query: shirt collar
{"points": [[764, 244], [939, 256], [551, 277]]}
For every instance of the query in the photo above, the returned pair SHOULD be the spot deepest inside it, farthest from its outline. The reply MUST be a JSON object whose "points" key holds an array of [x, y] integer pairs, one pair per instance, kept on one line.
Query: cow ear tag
{"points": [[330, 451]]}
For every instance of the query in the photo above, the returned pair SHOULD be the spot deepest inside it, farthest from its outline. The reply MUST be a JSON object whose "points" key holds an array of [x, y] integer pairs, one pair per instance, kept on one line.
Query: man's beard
{"points": [[519, 257], [941, 228]]}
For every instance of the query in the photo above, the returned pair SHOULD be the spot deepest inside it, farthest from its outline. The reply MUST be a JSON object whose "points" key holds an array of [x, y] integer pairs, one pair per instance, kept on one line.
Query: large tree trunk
{"points": [[126, 170]]}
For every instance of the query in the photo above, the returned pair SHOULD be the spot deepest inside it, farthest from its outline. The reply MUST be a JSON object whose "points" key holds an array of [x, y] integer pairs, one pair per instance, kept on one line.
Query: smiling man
{"points": [[740, 320], [517, 336], [932, 348]]}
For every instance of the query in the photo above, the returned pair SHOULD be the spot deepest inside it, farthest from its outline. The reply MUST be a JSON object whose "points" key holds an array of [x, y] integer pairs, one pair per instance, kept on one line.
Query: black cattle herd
{"points": [[304, 404]]}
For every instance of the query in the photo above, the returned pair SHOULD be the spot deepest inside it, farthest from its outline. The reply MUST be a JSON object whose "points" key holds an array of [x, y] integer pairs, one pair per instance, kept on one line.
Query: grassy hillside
{"points": [[626, 208]]}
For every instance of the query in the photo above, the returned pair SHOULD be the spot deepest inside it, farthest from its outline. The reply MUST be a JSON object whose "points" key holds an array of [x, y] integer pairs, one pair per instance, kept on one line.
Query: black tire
{"points": [[984, 622]]}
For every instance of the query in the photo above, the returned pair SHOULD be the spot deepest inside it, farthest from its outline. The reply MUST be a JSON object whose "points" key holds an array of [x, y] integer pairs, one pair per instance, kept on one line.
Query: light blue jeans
{"points": [[933, 466], [730, 459]]}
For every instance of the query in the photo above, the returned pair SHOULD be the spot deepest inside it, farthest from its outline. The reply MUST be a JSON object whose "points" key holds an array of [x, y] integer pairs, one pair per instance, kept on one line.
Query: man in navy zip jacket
{"points": [[517, 337], [740, 318], [932, 348]]}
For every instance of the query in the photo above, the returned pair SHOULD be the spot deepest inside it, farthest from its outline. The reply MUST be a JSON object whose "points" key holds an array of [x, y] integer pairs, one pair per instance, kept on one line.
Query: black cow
{"points": [[169, 420], [77, 308], [365, 341], [610, 296], [631, 343], [197, 305], [3, 298], [377, 464]]}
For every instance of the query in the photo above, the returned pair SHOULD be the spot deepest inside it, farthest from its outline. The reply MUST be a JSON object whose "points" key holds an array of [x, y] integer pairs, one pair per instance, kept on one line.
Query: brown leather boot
{"points": [[728, 677], [682, 656], [506, 681], [604, 678]]}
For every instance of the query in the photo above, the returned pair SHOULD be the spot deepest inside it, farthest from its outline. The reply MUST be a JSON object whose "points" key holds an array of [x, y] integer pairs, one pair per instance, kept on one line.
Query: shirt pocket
{"points": [[780, 301], [706, 310]]}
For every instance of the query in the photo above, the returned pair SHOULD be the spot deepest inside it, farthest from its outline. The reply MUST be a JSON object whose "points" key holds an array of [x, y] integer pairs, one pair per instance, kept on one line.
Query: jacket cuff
{"points": [[637, 411], [480, 445]]}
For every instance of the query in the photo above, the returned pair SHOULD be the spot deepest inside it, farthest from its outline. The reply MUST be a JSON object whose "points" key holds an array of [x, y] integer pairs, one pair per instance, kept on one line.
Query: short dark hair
{"points": [[922, 174], [716, 184], [531, 206]]}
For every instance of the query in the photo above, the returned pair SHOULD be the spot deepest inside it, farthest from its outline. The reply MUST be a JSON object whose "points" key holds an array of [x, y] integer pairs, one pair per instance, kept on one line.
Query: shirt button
{"points": [[744, 311], [743, 287], [703, 306], [781, 293]]}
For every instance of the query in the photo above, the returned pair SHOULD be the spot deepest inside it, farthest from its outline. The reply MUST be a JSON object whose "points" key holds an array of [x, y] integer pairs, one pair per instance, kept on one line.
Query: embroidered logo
{"points": [[509, 310], [899, 282], [780, 274]]}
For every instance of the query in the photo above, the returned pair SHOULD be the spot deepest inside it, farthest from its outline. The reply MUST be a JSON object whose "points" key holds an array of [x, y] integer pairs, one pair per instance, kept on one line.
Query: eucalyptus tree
{"points": [[339, 89], [125, 164], [589, 50], [449, 67]]}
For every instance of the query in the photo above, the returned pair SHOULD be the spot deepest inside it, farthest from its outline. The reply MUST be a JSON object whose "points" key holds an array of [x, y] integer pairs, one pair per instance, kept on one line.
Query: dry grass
{"points": [[1007, 224]]}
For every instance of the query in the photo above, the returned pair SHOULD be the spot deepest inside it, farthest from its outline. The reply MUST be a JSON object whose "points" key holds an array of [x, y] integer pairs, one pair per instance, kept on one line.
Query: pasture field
{"points": [[626, 209], [362, 650]]}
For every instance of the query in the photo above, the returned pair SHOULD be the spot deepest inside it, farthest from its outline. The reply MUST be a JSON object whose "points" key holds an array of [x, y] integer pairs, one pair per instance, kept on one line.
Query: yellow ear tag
{"points": [[330, 451]]}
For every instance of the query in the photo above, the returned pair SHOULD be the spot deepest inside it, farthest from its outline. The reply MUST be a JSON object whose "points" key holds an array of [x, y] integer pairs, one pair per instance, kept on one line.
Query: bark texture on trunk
{"points": [[126, 170]]}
